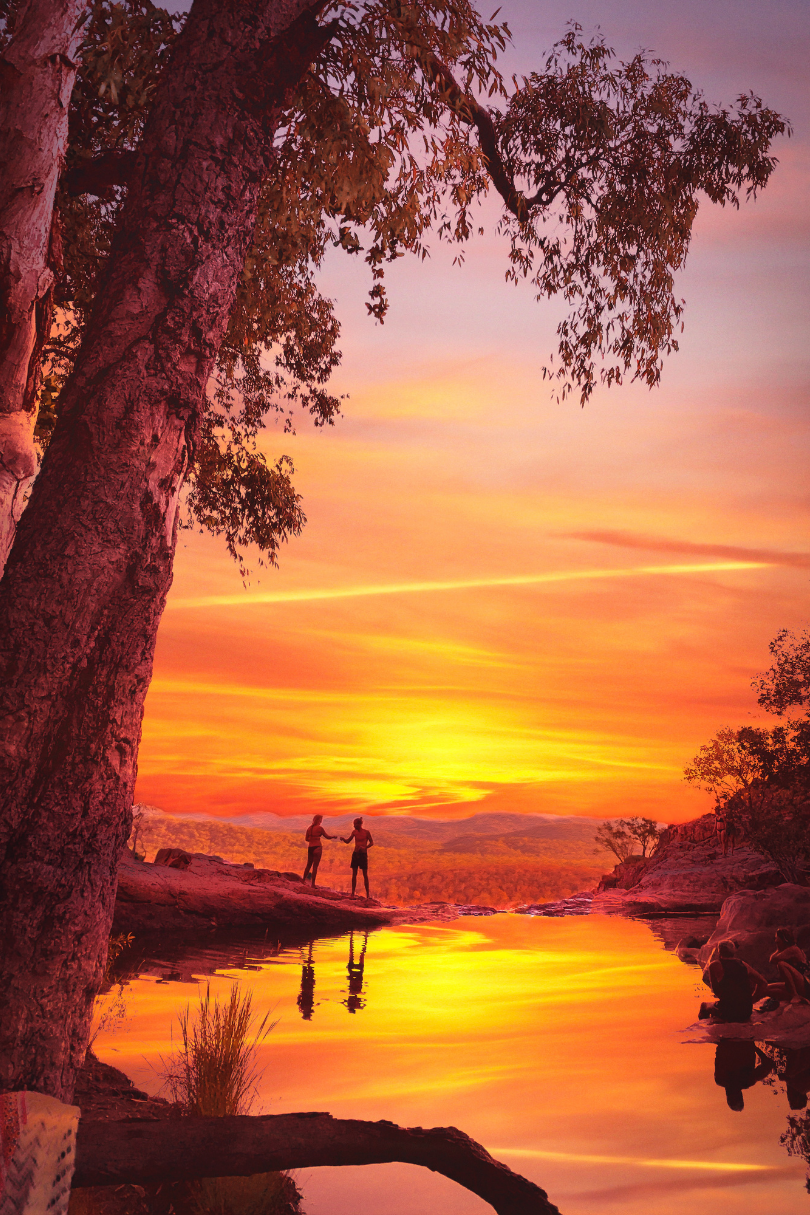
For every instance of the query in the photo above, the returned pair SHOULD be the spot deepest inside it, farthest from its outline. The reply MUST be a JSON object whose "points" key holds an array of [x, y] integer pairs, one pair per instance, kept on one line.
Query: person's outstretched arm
{"points": [[349, 839]]}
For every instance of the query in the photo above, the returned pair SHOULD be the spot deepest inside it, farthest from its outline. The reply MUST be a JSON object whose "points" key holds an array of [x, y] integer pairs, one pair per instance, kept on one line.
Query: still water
{"points": [[557, 1043]]}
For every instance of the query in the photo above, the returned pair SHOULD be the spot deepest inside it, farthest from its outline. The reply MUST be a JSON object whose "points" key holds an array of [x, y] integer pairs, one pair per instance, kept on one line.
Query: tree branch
{"points": [[475, 115], [148, 1152]]}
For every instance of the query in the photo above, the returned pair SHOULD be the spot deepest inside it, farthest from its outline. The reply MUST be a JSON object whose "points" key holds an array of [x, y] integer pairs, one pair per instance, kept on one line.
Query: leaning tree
{"points": [[210, 164]]}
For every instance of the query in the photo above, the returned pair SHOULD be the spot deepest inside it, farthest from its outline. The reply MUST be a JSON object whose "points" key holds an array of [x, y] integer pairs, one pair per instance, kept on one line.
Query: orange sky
{"points": [[501, 602]]}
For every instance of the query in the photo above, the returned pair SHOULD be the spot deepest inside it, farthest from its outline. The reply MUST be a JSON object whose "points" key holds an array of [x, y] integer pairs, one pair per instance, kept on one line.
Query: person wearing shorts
{"points": [[362, 843], [315, 833]]}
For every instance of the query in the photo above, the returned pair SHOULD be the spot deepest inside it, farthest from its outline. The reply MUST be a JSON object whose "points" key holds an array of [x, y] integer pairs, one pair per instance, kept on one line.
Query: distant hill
{"points": [[498, 859]]}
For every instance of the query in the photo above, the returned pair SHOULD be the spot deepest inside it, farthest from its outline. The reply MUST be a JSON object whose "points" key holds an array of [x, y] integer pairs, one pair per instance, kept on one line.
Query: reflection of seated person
{"points": [[355, 1001], [736, 1068], [791, 963], [736, 985], [796, 1075], [306, 996]]}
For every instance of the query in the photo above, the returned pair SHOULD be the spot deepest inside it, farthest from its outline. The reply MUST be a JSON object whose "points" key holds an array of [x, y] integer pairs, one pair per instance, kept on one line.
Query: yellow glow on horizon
{"points": [[460, 584], [637, 1161]]}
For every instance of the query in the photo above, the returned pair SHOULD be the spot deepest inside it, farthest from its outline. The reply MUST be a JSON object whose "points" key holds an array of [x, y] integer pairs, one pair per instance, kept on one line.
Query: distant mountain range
{"points": [[500, 859], [404, 826]]}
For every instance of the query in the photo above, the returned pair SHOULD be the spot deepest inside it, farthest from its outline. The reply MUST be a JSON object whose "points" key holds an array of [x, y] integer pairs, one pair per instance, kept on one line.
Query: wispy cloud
{"points": [[663, 544], [462, 584]]}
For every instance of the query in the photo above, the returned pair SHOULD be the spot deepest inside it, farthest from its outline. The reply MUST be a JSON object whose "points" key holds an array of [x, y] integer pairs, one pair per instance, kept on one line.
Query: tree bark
{"points": [[145, 1153], [36, 80], [87, 577]]}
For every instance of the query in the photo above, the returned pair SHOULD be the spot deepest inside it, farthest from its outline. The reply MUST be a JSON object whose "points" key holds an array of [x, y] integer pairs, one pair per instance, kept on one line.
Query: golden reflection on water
{"points": [[555, 1043]]}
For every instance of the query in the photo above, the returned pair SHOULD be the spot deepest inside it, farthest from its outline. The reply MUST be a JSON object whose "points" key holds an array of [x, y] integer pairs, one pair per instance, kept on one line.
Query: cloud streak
{"points": [[461, 584], [662, 544]]}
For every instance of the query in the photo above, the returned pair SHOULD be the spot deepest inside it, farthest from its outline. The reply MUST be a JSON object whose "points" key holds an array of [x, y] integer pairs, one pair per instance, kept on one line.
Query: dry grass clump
{"points": [[213, 1074]]}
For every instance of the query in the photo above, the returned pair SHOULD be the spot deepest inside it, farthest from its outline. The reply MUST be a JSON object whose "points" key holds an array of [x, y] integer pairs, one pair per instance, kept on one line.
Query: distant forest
{"points": [[499, 870]]}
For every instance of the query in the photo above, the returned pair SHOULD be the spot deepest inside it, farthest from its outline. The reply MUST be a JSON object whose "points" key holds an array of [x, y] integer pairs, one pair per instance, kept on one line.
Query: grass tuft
{"points": [[214, 1071]]}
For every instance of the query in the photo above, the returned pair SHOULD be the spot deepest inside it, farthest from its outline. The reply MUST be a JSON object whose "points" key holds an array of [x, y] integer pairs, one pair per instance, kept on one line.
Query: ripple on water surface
{"points": [[556, 1043]]}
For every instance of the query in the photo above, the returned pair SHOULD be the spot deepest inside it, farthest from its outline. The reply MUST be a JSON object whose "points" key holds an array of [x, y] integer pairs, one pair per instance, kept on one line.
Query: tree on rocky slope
{"points": [[624, 835], [760, 776], [265, 130]]}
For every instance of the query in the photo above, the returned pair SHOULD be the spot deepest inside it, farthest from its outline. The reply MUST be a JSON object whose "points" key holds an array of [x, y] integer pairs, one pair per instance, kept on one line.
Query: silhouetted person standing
{"points": [[315, 833], [362, 843]]}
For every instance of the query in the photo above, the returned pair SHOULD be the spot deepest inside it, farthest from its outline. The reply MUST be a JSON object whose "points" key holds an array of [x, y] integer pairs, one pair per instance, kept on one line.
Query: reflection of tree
{"points": [[306, 996], [739, 1065], [797, 1139], [354, 1001], [791, 1068]]}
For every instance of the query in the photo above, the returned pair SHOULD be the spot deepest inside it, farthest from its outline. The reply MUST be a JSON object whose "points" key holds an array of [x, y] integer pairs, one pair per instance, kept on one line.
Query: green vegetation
{"points": [[760, 777]]}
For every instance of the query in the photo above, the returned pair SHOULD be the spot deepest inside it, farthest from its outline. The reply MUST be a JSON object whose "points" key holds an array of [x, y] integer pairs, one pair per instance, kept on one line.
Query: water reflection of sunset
{"points": [[555, 1041]]}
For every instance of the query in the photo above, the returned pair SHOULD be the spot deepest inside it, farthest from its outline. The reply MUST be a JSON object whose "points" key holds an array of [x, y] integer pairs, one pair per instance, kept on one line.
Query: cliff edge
{"points": [[687, 874]]}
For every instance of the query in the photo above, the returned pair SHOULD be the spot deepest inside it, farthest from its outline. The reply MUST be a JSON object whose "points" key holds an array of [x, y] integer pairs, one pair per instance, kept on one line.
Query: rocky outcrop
{"points": [[750, 919], [687, 874], [193, 892], [188, 893]]}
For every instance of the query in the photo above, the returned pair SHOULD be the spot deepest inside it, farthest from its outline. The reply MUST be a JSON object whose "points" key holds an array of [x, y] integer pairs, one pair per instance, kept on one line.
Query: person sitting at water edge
{"points": [[735, 983], [315, 833], [362, 843], [794, 978]]}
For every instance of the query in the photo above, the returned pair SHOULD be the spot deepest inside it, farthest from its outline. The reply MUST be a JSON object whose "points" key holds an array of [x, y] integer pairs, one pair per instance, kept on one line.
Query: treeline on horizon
{"points": [[500, 871]]}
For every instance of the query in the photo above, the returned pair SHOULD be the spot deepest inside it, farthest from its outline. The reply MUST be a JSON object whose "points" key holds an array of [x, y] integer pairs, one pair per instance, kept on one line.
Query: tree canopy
{"points": [[760, 776], [399, 128], [622, 836]]}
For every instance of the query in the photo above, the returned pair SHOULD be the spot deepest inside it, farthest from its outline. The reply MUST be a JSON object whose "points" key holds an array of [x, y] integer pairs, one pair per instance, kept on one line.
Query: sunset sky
{"points": [[501, 602]]}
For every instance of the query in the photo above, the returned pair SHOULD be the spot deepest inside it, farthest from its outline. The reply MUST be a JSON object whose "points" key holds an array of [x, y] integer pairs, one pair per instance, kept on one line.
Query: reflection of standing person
{"points": [[315, 833], [306, 996], [362, 843], [736, 1068], [355, 1002]]}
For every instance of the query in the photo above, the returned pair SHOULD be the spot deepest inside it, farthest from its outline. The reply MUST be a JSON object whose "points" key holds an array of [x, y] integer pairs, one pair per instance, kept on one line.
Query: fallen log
{"points": [[146, 1152]]}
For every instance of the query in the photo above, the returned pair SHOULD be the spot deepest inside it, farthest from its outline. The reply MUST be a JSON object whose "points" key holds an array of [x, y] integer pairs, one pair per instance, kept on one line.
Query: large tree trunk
{"points": [[91, 565], [36, 79], [143, 1153]]}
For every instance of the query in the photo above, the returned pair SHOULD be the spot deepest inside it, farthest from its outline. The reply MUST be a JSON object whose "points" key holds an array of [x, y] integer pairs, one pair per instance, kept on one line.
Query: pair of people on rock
{"points": [[362, 842], [738, 986]]}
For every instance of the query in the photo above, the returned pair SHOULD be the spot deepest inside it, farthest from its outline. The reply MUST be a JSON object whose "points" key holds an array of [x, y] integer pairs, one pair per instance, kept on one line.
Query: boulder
{"points": [[750, 919], [688, 874]]}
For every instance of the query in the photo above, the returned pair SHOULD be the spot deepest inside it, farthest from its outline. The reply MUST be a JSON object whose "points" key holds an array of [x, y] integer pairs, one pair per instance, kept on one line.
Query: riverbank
{"points": [[190, 893]]}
